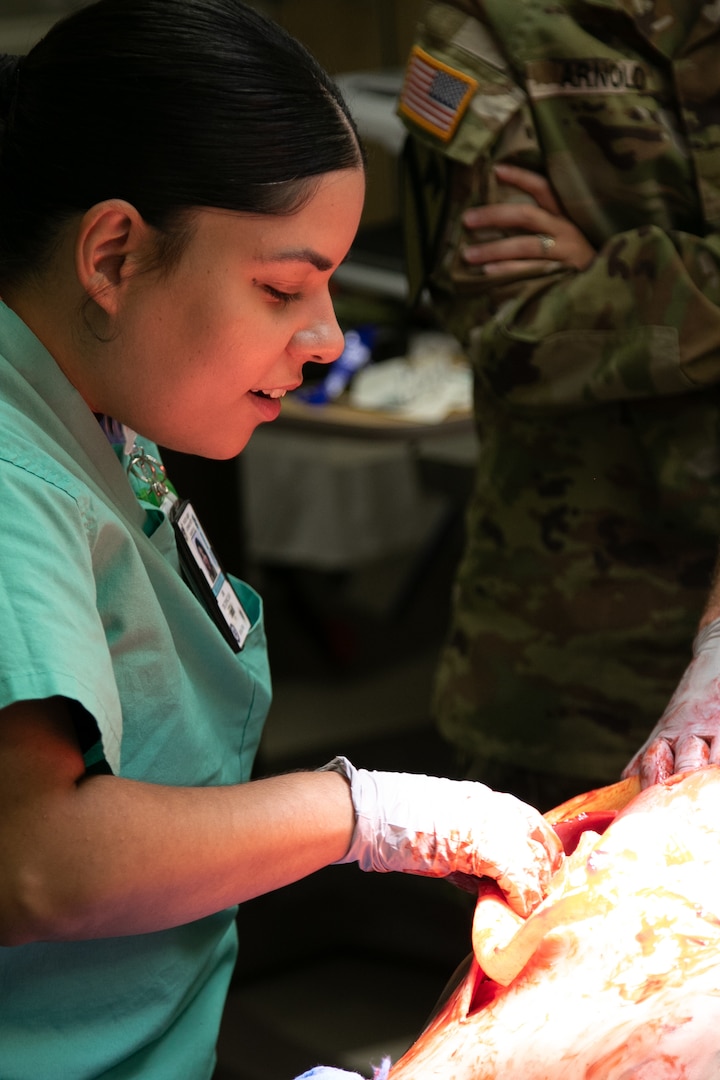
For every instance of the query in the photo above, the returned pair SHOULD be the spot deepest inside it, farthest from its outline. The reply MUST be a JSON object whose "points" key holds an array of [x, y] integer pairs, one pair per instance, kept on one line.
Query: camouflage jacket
{"points": [[629, 137], [595, 519]]}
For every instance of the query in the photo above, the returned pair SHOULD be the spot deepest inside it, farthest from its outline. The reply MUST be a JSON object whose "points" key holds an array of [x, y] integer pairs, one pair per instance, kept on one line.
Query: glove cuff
{"points": [[708, 638], [347, 769], [370, 824], [340, 765]]}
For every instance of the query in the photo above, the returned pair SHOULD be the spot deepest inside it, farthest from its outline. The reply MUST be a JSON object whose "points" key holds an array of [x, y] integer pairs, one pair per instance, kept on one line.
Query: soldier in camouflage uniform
{"points": [[595, 519]]}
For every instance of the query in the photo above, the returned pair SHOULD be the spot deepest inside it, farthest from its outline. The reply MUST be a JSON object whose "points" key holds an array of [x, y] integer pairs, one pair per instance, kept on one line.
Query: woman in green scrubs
{"points": [[178, 182]]}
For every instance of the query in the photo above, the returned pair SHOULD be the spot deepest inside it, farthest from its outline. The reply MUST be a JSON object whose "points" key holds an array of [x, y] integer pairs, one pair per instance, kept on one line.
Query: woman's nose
{"points": [[322, 341]]}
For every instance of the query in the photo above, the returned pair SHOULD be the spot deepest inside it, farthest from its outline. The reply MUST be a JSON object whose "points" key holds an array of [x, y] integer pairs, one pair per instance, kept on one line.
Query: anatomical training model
{"points": [[616, 975]]}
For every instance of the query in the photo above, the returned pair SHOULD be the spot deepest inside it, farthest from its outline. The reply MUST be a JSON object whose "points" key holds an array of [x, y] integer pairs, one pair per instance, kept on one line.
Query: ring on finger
{"points": [[547, 243]]}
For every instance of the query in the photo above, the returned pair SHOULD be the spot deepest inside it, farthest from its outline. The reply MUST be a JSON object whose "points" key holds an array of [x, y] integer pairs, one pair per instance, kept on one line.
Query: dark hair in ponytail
{"points": [[168, 104]]}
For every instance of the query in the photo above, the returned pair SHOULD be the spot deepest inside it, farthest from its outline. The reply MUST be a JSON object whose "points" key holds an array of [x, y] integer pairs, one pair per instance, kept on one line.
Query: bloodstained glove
{"points": [[437, 827], [687, 735]]}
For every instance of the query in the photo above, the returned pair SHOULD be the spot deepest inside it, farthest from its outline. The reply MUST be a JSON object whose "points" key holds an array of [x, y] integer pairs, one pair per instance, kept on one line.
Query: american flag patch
{"points": [[434, 95]]}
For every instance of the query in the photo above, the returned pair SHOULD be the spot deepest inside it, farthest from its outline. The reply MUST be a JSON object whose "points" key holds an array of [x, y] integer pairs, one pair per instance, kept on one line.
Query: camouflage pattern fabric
{"points": [[595, 519]]}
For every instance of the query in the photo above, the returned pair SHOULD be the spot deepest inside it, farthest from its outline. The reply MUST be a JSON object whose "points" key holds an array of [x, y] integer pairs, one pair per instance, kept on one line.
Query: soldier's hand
{"points": [[543, 239], [687, 735]]}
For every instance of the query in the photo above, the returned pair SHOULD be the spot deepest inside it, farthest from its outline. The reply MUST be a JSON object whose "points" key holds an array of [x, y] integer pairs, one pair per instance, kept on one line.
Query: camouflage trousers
{"points": [[590, 546]]}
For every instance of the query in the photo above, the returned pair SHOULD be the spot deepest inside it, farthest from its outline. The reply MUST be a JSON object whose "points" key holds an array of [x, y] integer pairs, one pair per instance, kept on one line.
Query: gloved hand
{"points": [[326, 1072], [437, 827], [687, 735]]}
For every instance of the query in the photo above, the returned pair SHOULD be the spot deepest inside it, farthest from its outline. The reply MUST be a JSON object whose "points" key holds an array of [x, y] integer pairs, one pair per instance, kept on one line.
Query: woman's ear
{"points": [[109, 245]]}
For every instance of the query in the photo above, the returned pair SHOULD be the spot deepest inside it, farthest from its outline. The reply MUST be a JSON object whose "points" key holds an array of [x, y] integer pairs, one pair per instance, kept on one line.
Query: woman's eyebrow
{"points": [[320, 262]]}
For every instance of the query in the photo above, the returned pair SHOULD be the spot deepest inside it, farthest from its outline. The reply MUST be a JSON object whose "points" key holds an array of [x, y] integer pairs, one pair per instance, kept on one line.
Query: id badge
{"points": [[206, 577]]}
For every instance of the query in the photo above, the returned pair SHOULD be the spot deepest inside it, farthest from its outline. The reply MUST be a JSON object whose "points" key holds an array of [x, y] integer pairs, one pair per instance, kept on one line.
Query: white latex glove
{"points": [[437, 827], [327, 1072], [687, 735]]}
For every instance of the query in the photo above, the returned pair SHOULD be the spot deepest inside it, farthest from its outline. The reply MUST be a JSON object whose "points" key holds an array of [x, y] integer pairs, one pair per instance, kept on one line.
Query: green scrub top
{"points": [[93, 608]]}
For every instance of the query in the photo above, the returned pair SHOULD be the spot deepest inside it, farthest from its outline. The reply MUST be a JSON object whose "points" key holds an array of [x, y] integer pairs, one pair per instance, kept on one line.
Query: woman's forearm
{"points": [[102, 856]]}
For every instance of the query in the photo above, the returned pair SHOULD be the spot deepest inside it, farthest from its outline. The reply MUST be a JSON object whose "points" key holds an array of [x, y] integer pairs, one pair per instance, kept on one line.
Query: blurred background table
{"points": [[333, 487]]}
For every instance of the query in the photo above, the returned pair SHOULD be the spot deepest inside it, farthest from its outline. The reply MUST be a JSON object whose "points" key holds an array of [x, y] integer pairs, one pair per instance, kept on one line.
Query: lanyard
{"points": [[199, 563]]}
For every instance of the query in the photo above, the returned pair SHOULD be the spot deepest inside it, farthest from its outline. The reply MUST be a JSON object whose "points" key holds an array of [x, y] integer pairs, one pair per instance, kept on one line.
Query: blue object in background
{"points": [[356, 354]]}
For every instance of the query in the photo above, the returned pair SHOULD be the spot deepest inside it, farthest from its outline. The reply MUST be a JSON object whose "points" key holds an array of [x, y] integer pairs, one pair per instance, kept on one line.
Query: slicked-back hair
{"points": [[171, 105]]}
